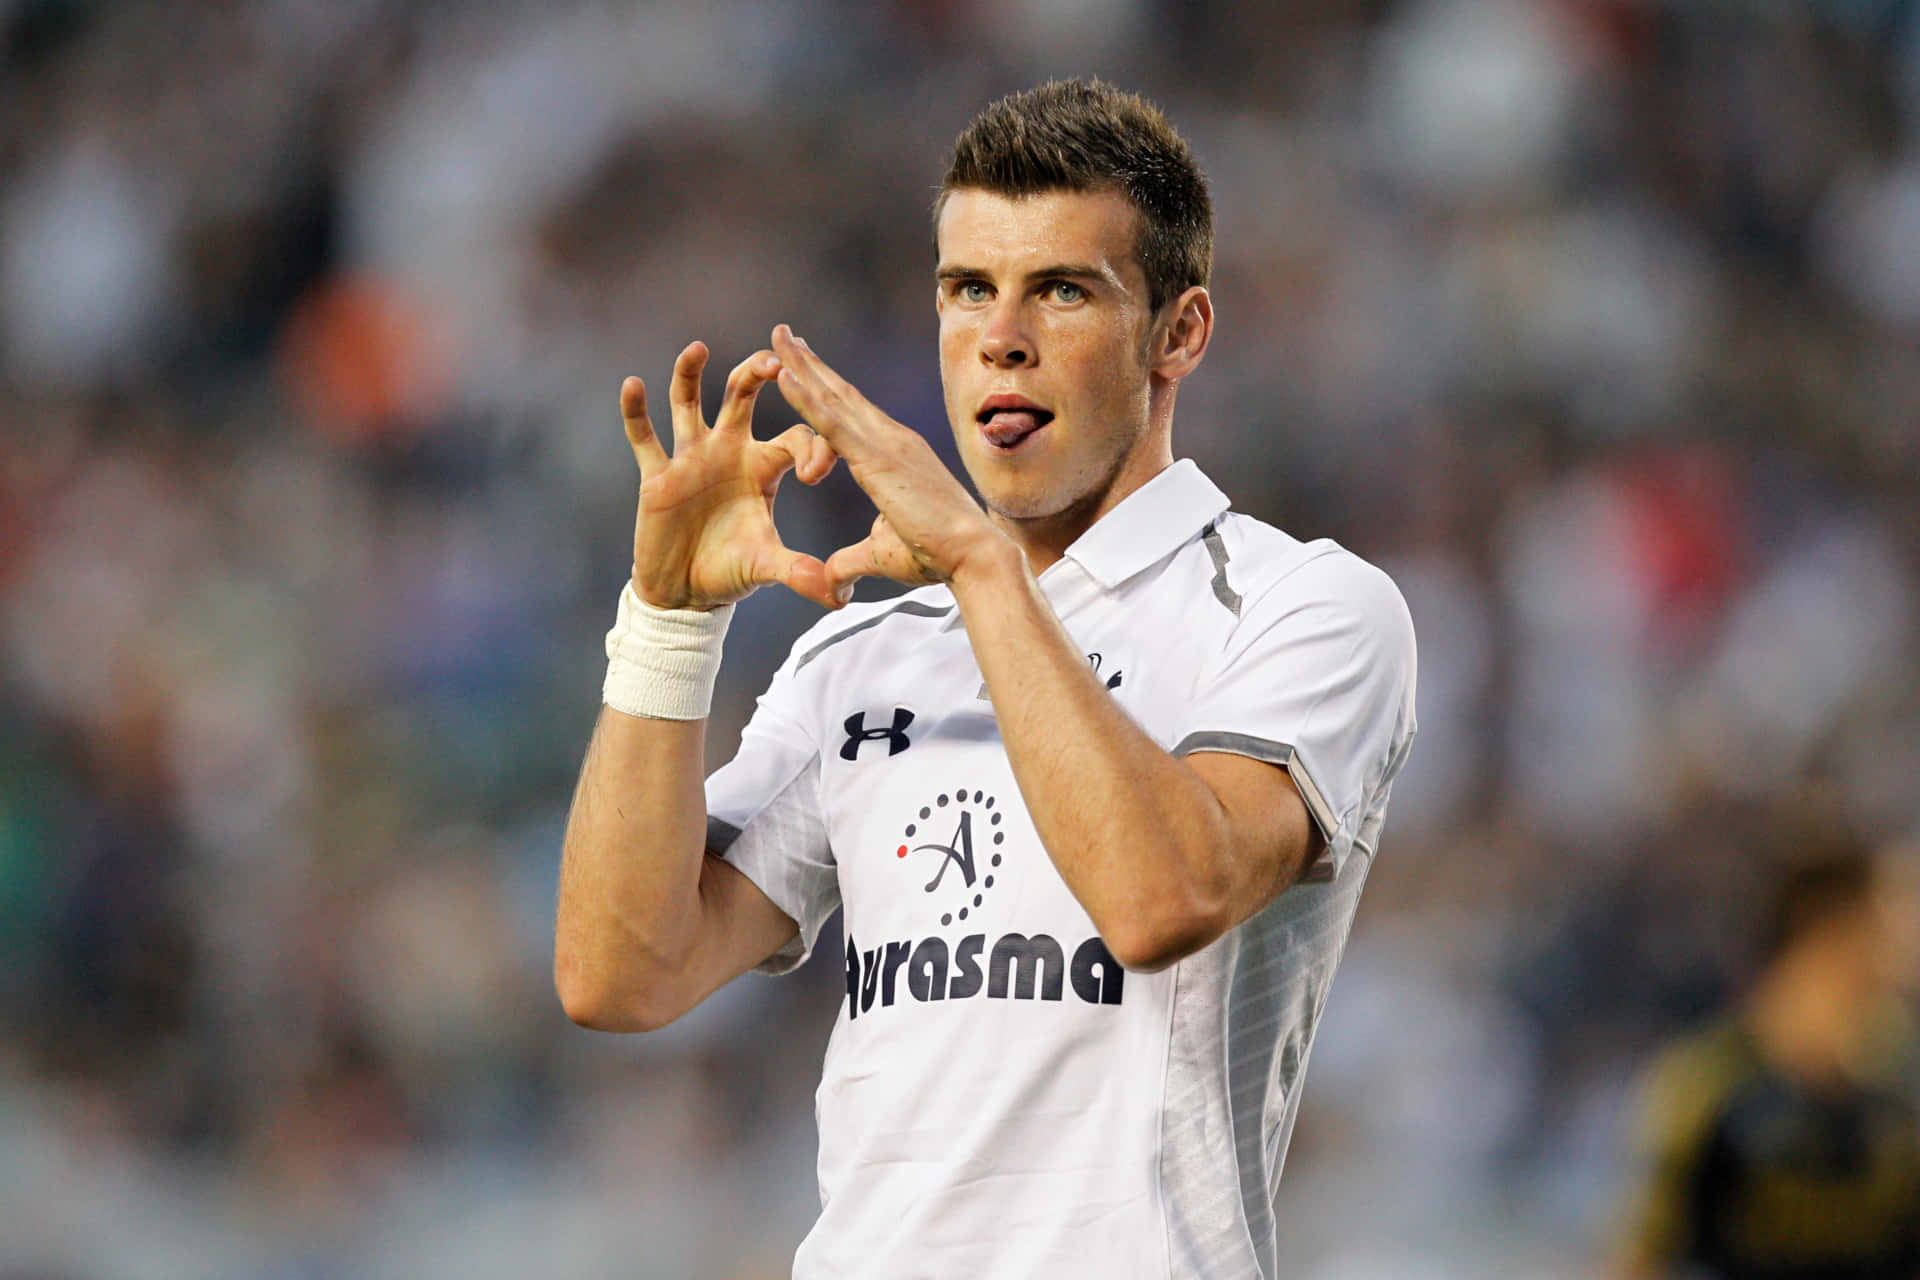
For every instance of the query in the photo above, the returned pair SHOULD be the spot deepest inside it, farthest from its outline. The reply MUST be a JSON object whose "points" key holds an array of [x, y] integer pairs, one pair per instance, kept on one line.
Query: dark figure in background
{"points": [[1782, 1143]]}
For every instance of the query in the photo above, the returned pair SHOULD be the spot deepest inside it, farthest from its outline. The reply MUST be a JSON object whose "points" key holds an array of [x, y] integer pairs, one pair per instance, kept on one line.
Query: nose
{"points": [[1005, 342]]}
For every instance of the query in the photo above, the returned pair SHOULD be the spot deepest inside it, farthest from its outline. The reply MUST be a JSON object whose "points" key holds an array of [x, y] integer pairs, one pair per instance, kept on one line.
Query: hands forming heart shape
{"points": [[705, 536]]}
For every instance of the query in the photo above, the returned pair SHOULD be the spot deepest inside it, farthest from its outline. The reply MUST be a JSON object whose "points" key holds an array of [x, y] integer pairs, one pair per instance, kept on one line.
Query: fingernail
{"points": [[844, 594]]}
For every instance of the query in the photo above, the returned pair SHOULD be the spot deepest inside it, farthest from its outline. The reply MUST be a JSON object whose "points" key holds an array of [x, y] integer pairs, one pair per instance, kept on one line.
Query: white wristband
{"points": [[661, 663]]}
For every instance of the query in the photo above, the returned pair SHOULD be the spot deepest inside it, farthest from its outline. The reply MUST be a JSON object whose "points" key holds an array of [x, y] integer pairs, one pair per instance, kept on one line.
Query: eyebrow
{"points": [[1058, 271]]}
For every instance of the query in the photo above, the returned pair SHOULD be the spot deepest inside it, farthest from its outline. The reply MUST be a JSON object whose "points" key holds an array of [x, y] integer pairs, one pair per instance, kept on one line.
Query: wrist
{"points": [[663, 663], [670, 594], [993, 559]]}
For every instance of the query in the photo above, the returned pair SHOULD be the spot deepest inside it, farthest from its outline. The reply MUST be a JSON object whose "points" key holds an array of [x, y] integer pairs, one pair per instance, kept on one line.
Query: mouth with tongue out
{"points": [[1006, 422]]}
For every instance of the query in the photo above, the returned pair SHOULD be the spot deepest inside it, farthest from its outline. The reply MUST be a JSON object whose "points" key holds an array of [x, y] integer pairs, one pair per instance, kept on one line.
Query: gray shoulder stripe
{"points": [[913, 608], [1217, 548], [720, 835], [1241, 744]]}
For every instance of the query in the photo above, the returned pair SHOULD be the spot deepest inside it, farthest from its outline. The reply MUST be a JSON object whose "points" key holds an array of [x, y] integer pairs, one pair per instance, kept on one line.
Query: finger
{"points": [[684, 394], [804, 360], [806, 401], [647, 450], [878, 555], [849, 564], [800, 573], [801, 383], [743, 388], [823, 459], [827, 414], [834, 407], [810, 457], [769, 461]]}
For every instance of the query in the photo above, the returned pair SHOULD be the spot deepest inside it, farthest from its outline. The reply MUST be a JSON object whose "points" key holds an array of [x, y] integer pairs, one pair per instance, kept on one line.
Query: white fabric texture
{"points": [[1319, 665], [662, 663], [764, 814], [999, 1097]]}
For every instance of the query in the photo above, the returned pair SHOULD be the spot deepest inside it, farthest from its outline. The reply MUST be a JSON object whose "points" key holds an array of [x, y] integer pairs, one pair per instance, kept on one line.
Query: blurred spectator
{"points": [[1783, 1143], [1594, 321]]}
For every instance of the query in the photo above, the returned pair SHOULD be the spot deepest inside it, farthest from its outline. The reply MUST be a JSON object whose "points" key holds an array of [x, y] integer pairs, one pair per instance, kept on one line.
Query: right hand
{"points": [[704, 535]]}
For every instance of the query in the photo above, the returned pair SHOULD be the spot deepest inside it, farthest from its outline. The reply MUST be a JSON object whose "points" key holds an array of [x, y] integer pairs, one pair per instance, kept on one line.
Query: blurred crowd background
{"points": [[1596, 322]]}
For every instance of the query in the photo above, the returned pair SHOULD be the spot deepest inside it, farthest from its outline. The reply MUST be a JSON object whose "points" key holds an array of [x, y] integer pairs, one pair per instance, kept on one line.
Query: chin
{"points": [[1015, 502], [1012, 502]]}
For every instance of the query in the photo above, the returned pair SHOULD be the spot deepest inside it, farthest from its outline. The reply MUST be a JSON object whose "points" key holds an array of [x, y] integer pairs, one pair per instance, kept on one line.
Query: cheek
{"points": [[955, 346], [1110, 370]]}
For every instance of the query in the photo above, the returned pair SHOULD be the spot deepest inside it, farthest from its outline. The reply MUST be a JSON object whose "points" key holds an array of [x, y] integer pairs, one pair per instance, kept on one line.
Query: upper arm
{"points": [[741, 928], [771, 880], [1270, 837], [768, 881], [737, 927], [1316, 684]]}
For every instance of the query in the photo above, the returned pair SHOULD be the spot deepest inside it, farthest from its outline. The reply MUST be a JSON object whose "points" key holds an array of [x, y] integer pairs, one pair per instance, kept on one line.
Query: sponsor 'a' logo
{"points": [[958, 834], [956, 841]]}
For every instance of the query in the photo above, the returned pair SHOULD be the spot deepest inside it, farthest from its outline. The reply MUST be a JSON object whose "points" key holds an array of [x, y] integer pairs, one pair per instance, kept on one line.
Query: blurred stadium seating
{"points": [[1597, 322]]}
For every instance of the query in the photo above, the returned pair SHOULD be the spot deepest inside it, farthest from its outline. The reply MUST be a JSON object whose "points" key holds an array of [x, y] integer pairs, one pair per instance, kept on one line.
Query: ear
{"points": [[1181, 336]]}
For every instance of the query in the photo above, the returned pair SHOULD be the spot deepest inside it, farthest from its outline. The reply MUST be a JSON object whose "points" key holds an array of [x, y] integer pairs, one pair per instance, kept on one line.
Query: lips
{"points": [[1007, 420]]}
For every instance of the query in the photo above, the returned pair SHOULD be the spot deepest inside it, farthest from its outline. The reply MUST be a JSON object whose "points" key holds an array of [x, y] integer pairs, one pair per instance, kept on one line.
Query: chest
{"points": [[1794, 1175], [925, 815]]}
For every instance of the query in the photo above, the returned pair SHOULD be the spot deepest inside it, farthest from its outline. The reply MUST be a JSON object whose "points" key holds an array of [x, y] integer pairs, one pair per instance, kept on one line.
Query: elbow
{"points": [[602, 1006], [1147, 942], [1144, 953]]}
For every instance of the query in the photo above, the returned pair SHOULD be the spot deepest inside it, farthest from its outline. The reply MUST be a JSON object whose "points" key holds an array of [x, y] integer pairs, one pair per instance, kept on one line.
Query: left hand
{"points": [[929, 528]]}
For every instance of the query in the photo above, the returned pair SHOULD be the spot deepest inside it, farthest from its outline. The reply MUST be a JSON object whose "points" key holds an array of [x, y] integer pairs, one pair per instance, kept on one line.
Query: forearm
{"points": [[648, 925], [1138, 835], [631, 866]]}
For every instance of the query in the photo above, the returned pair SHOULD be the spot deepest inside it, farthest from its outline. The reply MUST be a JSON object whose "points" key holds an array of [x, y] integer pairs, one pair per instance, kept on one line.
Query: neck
{"points": [[1045, 539]]}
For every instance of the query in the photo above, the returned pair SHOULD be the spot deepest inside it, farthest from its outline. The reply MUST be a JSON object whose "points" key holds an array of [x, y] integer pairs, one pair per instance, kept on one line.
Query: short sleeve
{"points": [[1318, 677], [764, 817]]}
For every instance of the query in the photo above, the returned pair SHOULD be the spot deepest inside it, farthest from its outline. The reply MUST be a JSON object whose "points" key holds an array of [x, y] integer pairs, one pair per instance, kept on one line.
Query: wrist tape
{"points": [[661, 663]]}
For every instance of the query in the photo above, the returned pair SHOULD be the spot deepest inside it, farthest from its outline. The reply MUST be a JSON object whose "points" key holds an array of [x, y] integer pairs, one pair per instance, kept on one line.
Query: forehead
{"points": [[1015, 234]]}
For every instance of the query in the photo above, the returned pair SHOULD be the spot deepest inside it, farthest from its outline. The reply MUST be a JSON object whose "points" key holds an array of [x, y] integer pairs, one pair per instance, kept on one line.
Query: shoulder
{"points": [[1692, 1082], [844, 636], [1280, 576]]}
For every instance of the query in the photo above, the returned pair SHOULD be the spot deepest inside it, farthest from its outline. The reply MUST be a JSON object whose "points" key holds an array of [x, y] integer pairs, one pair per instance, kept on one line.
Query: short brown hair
{"points": [[1086, 135], [1833, 880]]}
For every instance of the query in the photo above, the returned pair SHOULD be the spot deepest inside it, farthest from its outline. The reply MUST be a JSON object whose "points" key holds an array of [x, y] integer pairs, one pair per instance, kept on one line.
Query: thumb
{"points": [[849, 564], [806, 576]]}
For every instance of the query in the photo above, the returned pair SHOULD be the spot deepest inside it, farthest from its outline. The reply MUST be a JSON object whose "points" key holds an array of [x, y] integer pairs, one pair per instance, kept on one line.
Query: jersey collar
{"points": [[1150, 524]]}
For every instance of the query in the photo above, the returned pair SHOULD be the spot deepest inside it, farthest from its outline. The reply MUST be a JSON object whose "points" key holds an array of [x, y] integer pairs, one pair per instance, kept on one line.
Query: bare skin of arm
{"points": [[649, 924], [1165, 853]]}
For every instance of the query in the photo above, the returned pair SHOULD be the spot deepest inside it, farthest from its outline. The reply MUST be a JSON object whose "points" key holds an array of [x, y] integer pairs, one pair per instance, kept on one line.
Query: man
{"points": [[1097, 798], [1782, 1143]]}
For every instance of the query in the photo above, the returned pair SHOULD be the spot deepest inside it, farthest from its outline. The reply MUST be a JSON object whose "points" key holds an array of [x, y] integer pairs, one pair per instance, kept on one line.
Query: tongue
{"points": [[1010, 426]]}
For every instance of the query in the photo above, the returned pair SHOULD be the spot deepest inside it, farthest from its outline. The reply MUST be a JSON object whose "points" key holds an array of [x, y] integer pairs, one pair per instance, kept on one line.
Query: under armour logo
{"points": [[857, 733]]}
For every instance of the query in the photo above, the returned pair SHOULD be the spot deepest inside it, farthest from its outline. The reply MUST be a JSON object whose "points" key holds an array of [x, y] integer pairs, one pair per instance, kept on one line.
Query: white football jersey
{"points": [[1000, 1098]]}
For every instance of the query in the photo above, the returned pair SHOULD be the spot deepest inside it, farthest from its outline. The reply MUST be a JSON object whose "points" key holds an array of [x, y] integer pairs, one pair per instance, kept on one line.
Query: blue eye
{"points": [[1068, 291], [973, 291]]}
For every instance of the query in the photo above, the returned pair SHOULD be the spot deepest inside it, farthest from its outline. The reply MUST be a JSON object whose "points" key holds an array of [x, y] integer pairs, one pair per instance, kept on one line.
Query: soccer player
{"points": [[1782, 1143], [1096, 798]]}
